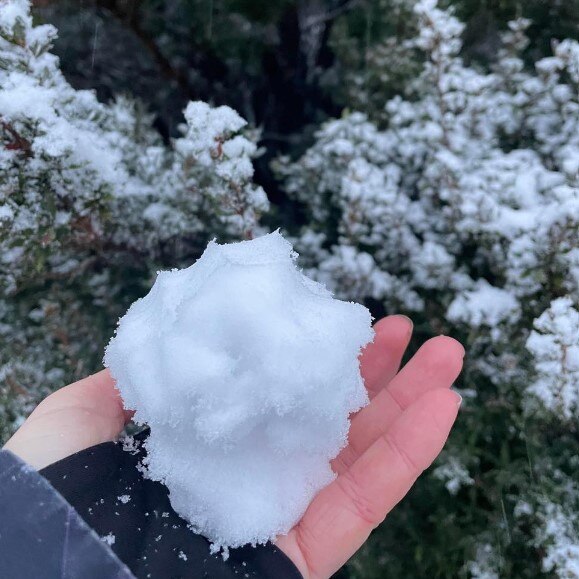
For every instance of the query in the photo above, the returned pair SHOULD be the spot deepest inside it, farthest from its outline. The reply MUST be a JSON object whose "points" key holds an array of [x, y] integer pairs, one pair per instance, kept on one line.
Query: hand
{"points": [[391, 441], [75, 417]]}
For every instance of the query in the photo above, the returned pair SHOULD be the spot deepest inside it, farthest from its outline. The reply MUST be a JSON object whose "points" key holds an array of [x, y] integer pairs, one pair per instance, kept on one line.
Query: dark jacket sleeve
{"points": [[41, 535], [106, 487]]}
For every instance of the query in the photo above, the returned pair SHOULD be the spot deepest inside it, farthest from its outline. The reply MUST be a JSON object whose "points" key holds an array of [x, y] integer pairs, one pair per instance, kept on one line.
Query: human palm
{"points": [[391, 441]]}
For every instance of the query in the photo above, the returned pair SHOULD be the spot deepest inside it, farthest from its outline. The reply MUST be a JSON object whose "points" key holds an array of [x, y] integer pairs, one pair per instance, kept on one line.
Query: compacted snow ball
{"points": [[246, 372]]}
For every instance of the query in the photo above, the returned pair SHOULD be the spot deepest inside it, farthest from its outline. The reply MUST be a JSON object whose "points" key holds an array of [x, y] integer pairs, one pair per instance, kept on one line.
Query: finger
{"points": [[96, 393], [437, 364], [381, 359], [342, 516]]}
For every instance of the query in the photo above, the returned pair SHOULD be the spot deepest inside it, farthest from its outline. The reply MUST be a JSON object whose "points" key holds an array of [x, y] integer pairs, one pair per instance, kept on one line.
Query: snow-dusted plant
{"points": [[88, 189], [559, 534], [465, 208], [554, 345]]}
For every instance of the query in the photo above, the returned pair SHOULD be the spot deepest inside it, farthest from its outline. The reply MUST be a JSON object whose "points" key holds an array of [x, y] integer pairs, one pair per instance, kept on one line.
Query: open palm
{"points": [[391, 441]]}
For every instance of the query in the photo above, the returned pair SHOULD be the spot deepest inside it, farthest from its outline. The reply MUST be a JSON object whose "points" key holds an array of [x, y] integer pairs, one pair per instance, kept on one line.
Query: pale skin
{"points": [[391, 441]]}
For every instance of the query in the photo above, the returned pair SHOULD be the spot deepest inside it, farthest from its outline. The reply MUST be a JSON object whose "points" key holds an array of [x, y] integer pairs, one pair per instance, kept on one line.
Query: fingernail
{"points": [[410, 322], [455, 340], [458, 398]]}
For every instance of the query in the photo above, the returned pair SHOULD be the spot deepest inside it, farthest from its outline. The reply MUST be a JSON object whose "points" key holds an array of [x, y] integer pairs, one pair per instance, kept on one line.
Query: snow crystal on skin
{"points": [[246, 371]]}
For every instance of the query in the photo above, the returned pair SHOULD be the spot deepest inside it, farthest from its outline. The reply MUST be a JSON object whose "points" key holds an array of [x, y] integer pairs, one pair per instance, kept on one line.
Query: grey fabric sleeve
{"points": [[41, 535]]}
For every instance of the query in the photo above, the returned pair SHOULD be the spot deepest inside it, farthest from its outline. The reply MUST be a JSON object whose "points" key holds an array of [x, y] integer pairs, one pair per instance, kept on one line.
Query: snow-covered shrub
{"points": [[560, 535], [460, 201], [88, 193], [554, 345]]}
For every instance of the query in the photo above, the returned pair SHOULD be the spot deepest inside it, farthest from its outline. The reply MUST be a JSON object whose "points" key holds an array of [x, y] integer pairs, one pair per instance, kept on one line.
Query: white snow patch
{"points": [[246, 371], [554, 344], [484, 305], [109, 539], [130, 444]]}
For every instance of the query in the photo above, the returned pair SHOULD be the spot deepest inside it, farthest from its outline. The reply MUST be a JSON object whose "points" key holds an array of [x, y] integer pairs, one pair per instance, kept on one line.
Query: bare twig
{"points": [[18, 142]]}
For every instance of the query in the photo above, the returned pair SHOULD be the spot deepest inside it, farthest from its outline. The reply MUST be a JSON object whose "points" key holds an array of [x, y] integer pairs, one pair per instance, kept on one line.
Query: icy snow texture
{"points": [[554, 344], [560, 536], [246, 371], [454, 474], [484, 305]]}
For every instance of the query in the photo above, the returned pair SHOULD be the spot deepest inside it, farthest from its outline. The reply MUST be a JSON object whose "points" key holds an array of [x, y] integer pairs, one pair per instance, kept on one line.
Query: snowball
{"points": [[246, 372]]}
